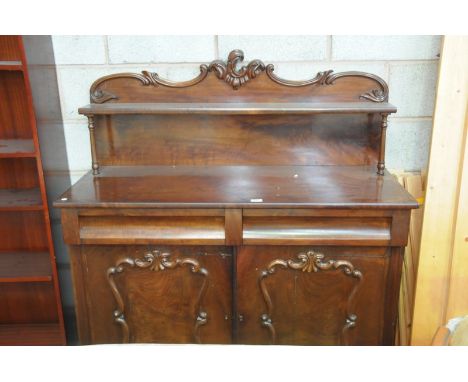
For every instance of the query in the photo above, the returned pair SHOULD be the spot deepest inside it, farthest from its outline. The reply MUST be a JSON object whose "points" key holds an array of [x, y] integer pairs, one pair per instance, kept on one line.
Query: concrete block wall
{"points": [[408, 63]]}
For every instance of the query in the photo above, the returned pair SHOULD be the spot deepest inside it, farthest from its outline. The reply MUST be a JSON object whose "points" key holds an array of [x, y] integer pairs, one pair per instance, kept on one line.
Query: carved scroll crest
{"points": [[236, 76], [309, 262], [156, 261]]}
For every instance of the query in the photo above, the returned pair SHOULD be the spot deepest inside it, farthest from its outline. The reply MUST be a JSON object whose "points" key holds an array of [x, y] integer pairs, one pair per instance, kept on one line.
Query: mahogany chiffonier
{"points": [[237, 207]]}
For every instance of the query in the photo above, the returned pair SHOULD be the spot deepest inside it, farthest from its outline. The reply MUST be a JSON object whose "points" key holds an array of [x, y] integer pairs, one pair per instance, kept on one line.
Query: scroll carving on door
{"points": [[157, 262], [309, 262]]}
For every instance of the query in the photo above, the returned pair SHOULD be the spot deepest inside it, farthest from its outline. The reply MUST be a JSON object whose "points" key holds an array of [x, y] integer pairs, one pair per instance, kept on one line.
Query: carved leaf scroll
{"points": [[157, 262], [308, 262], [229, 73], [236, 76]]}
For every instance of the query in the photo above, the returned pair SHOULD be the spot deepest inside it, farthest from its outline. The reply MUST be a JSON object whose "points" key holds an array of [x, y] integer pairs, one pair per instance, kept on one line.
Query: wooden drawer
{"points": [[315, 227], [135, 226]]}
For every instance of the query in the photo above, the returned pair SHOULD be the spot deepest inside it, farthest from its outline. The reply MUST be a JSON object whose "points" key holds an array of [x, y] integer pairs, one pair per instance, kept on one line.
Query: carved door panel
{"points": [[158, 294], [311, 295]]}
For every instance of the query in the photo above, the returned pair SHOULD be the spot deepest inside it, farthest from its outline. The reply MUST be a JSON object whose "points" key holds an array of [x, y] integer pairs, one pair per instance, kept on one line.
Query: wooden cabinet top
{"points": [[238, 186], [238, 136]]}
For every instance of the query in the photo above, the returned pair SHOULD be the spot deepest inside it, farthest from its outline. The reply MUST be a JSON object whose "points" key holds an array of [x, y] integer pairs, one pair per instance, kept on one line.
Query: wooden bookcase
{"points": [[30, 307]]}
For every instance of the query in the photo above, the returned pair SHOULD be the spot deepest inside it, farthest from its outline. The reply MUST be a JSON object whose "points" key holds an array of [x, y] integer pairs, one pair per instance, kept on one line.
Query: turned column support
{"points": [[383, 134], [95, 164]]}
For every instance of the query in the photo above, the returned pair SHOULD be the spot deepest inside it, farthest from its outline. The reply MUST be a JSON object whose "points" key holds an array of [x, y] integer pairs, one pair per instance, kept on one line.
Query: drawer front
{"points": [[145, 226], [312, 295], [316, 230], [151, 229], [325, 227], [149, 294]]}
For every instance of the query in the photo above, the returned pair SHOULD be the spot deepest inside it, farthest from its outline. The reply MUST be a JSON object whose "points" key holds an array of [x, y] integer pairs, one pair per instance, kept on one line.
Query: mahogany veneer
{"points": [[31, 334], [237, 207]]}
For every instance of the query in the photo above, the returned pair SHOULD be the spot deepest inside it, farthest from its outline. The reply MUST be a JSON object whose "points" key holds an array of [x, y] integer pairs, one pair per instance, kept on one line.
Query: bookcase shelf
{"points": [[17, 148], [19, 267], [11, 65], [28, 199], [30, 306], [31, 334]]}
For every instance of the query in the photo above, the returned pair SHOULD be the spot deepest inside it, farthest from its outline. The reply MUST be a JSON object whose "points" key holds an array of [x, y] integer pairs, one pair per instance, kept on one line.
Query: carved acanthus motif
{"points": [[237, 76], [156, 262], [309, 262], [233, 76]]}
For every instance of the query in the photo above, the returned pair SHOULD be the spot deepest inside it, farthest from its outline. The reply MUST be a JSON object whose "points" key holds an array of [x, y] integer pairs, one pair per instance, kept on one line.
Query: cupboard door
{"points": [[157, 294], [311, 295]]}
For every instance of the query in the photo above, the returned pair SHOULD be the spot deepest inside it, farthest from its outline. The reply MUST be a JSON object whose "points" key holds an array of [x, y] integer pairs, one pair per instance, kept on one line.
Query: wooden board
{"points": [[457, 304], [439, 242]]}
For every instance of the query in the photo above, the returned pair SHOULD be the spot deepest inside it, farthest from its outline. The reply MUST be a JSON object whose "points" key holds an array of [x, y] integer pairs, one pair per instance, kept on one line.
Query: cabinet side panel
{"points": [[79, 292], [392, 294]]}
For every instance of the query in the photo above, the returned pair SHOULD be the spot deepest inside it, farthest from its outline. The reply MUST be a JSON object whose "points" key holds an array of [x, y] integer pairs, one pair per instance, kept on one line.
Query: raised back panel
{"points": [[142, 137], [237, 140]]}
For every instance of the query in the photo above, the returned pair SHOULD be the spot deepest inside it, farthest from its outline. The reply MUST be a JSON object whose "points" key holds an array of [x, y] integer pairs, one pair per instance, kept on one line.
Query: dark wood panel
{"points": [[350, 187], [49, 334], [233, 226], [80, 287], [308, 307], [391, 294], [160, 304], [236, 140], [203, 212], [25, 267], [18, 173], [14, 108], [10, 48], [26, 303], [22, 230]]}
